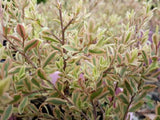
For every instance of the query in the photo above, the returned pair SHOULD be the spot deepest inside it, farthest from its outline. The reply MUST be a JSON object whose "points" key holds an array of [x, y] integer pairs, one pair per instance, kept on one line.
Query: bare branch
{"points": [[70, 22]]}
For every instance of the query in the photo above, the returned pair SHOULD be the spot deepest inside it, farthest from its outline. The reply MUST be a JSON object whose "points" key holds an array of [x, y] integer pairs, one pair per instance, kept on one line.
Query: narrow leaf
{"points": [[31, 44], [21, 30], [123, 98], [70, 48], [22, 105], [7, 113], [149, 87], [96, 93], [56, 101], [49, 58], [6, 30], [136, 106], [41, 74], [158, 109], [128, 87], [50, 39], [16, 98], [27, 84], [128, 37], [35, 82], [75, 97], [96, 51], [4, 85], [15, 38], [145, 57]]}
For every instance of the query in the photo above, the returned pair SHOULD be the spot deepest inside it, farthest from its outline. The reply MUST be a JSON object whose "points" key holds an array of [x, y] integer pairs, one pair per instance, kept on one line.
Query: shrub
{"points": [[67, 60]]}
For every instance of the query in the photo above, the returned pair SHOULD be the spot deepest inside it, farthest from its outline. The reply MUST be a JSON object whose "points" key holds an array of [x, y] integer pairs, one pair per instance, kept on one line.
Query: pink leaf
{"points": [[21, 30]]}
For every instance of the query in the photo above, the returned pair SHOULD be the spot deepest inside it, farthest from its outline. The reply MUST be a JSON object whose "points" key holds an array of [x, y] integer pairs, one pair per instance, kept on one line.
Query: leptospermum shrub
{"points": [[80, 60]]}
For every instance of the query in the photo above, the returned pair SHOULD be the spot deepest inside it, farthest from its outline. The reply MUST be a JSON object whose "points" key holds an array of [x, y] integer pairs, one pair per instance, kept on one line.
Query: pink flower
{"points": [[54, 77], [82, 76], [119, 90]]}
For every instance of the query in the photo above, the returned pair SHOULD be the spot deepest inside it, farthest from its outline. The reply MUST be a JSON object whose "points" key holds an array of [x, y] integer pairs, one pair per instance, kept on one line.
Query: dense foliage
{"points": [[78, 59]]}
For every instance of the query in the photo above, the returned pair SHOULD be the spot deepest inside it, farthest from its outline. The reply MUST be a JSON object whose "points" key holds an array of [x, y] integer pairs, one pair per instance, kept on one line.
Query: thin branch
{"points": [[61, 20], [101, 109], [132, 98], [69, 101], [94, 110], [113, 97], [70, 22], [56, 37], [125, 115], [23, 54], [63, 33]]}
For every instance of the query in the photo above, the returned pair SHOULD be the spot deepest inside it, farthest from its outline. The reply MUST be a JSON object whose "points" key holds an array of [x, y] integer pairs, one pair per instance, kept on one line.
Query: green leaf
{"points": [[31, 44], [155, 39], [136, 106], [157, 117], [70, 48], [145, 57], [123, 98], [4, 85], [22, 72], [35, 82], [119, 58], [6, 66], [56, 48], [140, 96], [96, 51], [96, 93], [75, 97], [27, 84], [123, 71], [153, 66], [128, 37], [14, 70], [158, 109], [128, 87], [134, 55], [41, 74], [155, 74], [50, 39], [49, 58], [16, 98], [149, 87], [33, 108], [7, 113], [22, 105], [111, 90], [56, 101]]}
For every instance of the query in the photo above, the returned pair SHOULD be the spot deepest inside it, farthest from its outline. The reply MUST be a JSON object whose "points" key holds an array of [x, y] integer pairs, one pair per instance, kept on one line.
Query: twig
{"points": [[101, 109], [63, 32], [70, 102], [70, 22], [94, 110], [112, 99], [125, 115], [61, 20], [132, 98], [23, 54], [56, 37]]}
